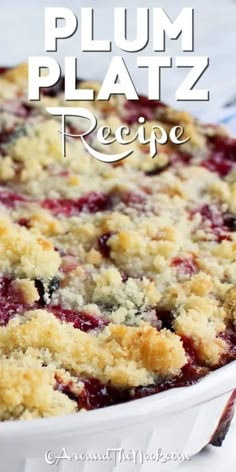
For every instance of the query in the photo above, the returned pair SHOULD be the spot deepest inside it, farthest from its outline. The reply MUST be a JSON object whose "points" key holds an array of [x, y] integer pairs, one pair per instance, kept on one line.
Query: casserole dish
{"points": [[117, 282], [180, 421]]}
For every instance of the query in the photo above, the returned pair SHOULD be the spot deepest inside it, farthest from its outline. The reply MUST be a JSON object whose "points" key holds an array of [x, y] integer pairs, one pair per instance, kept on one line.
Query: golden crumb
{"points": [[25, 254], [26, 290], [230, 304], [124, 262], [125, 356]]}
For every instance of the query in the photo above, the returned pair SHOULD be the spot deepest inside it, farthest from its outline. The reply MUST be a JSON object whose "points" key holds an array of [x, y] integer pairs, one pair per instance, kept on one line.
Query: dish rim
{"points": [[136, 411]]}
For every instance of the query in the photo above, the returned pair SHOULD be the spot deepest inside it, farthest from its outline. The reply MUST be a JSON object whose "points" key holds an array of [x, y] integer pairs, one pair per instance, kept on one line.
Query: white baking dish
{"points": [[180, 420]]}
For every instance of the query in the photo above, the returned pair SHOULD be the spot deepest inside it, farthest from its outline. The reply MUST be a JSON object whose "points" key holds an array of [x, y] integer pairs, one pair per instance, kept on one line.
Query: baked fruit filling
{"points": [[117, 281]]}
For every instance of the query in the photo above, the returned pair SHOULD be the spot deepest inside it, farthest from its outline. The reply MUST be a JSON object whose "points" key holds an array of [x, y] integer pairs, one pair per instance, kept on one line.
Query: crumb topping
{"points": [[114, 279], [24, 253], [126, 356]]}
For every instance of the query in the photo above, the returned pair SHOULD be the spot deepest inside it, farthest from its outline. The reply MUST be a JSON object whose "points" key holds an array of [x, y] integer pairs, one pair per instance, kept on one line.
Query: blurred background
{"points": [[22, 35]]}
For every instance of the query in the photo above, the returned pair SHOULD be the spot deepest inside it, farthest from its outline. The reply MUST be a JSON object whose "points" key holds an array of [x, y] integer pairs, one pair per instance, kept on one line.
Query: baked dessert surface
{"points": [[117, 281]]}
